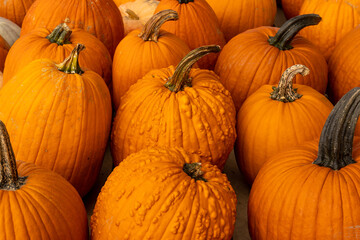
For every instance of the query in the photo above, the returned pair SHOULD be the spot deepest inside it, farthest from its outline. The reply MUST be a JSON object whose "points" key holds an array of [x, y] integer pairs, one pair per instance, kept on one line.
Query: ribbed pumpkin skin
{"points": [[169, 50], [200, 119], [338, 18], [9, 31], [46, 207], [291, 8], [266, 127], [149, 196], [58, 121], [34, 45], [101, 18], [344, 66], [248, 61], [4, 50], [197, 26], [319, 202], [236, 16], [15, 10]]}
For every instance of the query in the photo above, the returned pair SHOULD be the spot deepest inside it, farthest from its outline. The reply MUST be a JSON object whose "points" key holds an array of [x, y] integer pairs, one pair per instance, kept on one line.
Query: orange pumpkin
{"points": [[197, 26], [57, 45], [165, 193], [15, 10], [59, 117], [236, 16], [177, 107], [101, 18], [119, 2], [152, 47], [291, 8], [37, 203], [259, 56], [312, 191], [267, 125], [339, 18], [4, 50]]}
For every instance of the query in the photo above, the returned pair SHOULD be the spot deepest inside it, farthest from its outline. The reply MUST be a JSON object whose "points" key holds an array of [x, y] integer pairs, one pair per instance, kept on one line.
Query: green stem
{"points": [[285, 92], [71, 63], [60, 35], [181, 78], [194, 171], [336, 140], [290, 28]]}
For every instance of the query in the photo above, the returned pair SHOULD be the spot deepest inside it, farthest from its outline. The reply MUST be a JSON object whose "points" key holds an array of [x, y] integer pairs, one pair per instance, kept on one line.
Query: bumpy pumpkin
{"points": [[37, 203], [56, 45], [177, 107], [312, 191], [259, 56], [59, 117], [9, 31], [165, 193], [339, 18], [267, 125], [152, 47], [15, 10], [197, 26], [291, 8], [236, 16], [101, 18], [4, 50]]}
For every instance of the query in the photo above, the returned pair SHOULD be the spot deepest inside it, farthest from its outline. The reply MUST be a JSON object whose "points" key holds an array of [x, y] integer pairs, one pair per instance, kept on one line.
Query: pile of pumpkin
{"points": [[176, 85]]}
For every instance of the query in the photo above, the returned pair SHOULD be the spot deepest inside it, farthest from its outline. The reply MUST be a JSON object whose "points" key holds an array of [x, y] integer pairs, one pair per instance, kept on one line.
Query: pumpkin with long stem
{"points": [[269, 120], [259, 56], [36, 203], [312, 191], [181, 107], [59, 117]]}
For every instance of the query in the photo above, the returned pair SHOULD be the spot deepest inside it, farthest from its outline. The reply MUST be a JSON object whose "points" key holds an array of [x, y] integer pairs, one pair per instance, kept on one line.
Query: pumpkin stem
{"points": [[185, 1], [151, 29], [194, 171], [285, 92], [290, 28], [71, 64], [60, 35], [9, 179], [132, 15], [336, 140], [181, 78]]}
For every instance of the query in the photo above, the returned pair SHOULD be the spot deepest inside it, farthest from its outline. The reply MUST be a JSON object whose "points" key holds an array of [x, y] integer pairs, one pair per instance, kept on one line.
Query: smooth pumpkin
{"points": [[37, 203], [312, 191], [119, 2], [181, 107], [15, 10], [267, 125], [4, 50], [144, 50], [291, 8], [56, 45], [9, 31], [259, 56], [165, 193], [58, 117], [101, 18], [197, 26]]}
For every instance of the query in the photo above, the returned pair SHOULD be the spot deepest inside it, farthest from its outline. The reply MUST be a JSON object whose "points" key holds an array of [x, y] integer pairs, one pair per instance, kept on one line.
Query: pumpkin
{"points": [[136, 14], [1, 79], [37, 203], [182, 107], [152, 47], [267, 125], [9, 31], [197, 26], [344, 66], [57, 44], [15, 10], [312, 191], [236, 16], [165, 193], [259, 56], [119, 2], [101, 18], [4, 50], [328, 33], [59, 117], [291, 8]]}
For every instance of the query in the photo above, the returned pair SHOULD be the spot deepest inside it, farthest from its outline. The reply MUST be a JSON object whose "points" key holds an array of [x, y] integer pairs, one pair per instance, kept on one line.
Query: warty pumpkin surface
{"points": [[101, 18], [165, 193], [59, 117], [177, 107], [56, 44], [197, 26], [37, 203], [312, 191], [275, 118], [9, 31], [259, 56], [15, 10]]}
